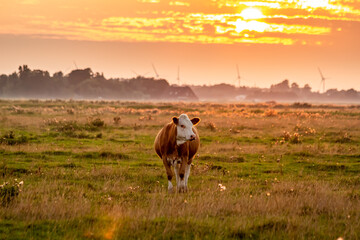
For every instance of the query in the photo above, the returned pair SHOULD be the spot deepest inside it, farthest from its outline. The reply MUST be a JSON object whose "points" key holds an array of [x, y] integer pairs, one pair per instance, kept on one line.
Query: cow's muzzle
{"points": [[192, 138]]}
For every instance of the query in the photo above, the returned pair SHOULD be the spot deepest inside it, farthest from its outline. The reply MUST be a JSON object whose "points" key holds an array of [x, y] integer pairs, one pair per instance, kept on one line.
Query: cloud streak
{"points": [[222, 21]]}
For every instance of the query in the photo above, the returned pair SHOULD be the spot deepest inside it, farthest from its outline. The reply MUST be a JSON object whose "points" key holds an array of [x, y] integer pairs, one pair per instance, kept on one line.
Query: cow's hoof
{"points": [[182, 189], [170, 187]]}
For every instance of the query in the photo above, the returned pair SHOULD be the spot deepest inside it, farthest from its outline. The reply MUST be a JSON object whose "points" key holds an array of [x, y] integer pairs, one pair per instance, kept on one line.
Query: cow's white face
{"points": [[184, 128]]}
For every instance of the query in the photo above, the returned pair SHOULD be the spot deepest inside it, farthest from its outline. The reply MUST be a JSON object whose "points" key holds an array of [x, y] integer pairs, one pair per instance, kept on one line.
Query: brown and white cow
{"points": [[176, 144]]}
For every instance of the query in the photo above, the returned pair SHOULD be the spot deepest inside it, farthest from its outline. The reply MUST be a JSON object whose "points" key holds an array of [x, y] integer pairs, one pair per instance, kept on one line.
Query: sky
{"points": [[201, 41]]}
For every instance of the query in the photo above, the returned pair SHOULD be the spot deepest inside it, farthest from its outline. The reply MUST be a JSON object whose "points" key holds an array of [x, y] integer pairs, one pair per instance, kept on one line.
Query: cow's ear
{"points": [[175, 120], [195, 121]]}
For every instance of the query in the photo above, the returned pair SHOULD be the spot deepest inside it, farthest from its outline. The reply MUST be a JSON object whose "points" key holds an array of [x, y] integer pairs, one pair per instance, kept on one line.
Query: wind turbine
{"points": [[76, 65], [178, 75], [156, 73], [238, 74], [322, 80], [139, 75]]}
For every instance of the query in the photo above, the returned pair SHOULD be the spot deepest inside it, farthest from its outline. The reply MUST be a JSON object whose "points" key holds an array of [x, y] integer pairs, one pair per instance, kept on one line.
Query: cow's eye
{"points": [[182, 126]]}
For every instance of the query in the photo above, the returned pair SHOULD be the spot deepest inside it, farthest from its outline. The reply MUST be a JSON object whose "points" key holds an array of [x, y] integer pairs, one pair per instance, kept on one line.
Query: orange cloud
{"points": [[178, 3], [220, 21]]}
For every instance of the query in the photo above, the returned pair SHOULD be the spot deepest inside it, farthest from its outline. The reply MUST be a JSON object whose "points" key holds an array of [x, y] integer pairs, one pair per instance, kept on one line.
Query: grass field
{"points": [[87, 170]]}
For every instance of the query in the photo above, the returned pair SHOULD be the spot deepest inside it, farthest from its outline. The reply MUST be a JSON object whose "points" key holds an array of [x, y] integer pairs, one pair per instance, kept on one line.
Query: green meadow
{"points": [[88, 170]]}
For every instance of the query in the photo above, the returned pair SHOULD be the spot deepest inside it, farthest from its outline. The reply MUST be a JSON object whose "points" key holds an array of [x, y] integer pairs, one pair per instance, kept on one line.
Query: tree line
{"points": [[85, 84], [79, 83]]}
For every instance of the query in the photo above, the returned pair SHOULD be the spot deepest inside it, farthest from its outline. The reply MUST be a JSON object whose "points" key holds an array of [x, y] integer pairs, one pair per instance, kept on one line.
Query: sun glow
{"points": [[251, 13], [253, 25]]}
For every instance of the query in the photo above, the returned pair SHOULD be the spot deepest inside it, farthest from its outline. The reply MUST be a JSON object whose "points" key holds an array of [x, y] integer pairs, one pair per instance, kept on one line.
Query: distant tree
{"points": [[281, 87], [306, 89], [11, 83], [37, 83], [24, 71], [13, 77], [295, 88], [3, 81], [352, 93], [100, 76], [294, 85], [331, 91], [149, 87], [58, 75], [80, 75]]}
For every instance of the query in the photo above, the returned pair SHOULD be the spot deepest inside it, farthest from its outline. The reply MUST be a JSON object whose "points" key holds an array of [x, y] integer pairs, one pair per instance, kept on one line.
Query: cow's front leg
{"points": [[187, 173], [182, 171], [177, 169], [169, 173]]}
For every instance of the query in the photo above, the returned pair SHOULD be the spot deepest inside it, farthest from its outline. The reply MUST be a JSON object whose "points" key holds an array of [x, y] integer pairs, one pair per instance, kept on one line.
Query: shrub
{"points": [[291, 138], [79, 135], [17, 110], [286, 136], [238, 159], [301, 105], [257, 111], [304, 130], [144, 118], [117, 119], [64, 126], [97, 122], [295, 138], [344, 139], [113, 155], [10, 139], [69, 128], [211, 126], [70, 111], [9, 192], [270, 113], [232, 130], [137, 127]]}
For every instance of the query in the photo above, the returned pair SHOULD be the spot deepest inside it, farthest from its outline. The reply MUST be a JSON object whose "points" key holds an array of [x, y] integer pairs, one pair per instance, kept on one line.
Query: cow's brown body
{"points": [[173, 154]]}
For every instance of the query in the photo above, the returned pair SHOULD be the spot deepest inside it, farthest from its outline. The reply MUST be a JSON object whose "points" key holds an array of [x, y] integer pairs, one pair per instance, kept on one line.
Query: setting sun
{"points": [[253, 25], [251, 13]]}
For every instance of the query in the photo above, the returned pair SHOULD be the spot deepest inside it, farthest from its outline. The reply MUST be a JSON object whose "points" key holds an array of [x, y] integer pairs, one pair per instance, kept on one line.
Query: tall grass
{"points": [[299, 185]]}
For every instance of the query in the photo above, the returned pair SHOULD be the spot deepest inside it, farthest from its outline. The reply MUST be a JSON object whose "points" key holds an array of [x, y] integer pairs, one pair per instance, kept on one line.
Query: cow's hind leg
{"points": [[187, 171], [169, 173]]}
